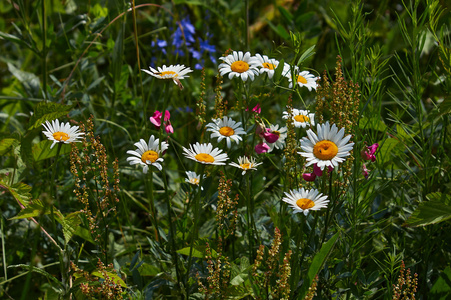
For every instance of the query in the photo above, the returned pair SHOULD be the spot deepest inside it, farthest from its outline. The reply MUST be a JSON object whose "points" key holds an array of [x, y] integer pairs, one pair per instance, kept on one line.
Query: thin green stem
{"points": [[195, 228], [149, 184], [172, 231], [53, 191], [5, 273], [249, 217], [44, 49]]}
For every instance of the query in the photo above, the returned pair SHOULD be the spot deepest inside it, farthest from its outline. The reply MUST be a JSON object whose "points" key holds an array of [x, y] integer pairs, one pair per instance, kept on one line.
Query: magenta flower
{"points": [[257, 109], [365, 171], [271, 137], [156, 121], [368, 152], [318, 172], [309, 176], [261, 148]]}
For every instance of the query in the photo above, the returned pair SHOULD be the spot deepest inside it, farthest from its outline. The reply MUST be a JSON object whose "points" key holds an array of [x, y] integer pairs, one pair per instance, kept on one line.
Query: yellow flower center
{"points": [[172, 73], [245, 166], [205, 157], [268, 66], [302, 118], [302, 79], [60, 136], [195, 181], [325, 150], [239, 66], [276, 132], [226, 131], [305, 203], [149, 155]]}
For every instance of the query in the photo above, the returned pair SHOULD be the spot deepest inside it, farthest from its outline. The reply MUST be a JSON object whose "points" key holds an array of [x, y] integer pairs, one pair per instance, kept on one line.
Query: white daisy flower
{"points": [[327, 147], [193, 178], [245, 164], [304, 200], [205, 154], [301, 118], [61, 133], [239, 65], [226, 129], [268, 65], [303, 78], [275, 137], [148, 153], [176, 73]]}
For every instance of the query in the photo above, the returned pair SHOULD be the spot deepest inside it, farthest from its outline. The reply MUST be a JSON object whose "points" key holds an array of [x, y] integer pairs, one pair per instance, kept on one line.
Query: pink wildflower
{"points": [[257, 109], [368, 152], [309, 176], [365, 171], [261, 148], [156, 121]]}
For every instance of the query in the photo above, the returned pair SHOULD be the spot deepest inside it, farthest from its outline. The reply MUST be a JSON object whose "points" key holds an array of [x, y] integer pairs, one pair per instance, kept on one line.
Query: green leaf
{"points": [[6, 145], [375, 123], [32, 210], [279, 29], [441, 290], [30, 81], [318, 262], [48, 111], [386, 150], [199, 251], [309, 52], [116, 279], [20, 191], [39, 271], [42, 150], [70, 224], [436, 210], [278, 71], [85, 234]]}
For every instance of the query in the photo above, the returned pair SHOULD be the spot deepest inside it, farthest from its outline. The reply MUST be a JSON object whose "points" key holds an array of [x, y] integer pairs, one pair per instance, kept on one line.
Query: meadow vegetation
{"points": [[196, 149]]}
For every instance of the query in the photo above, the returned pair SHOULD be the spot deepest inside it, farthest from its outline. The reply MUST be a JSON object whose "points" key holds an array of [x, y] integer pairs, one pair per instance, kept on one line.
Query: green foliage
{"points": [[70, 60]]}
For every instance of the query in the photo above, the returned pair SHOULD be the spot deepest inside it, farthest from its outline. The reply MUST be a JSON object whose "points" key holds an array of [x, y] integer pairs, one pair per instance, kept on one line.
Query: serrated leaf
{"points": [[20, 191], [32, 210], [42, 150], [48, 111], [318, 262], [70, 224], [116, 279], [436, 210], [6, 145]]}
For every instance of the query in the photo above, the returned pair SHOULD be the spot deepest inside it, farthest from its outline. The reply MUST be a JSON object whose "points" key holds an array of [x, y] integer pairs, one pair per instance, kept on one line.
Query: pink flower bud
{"points": [[261, 148], [309, 176]]}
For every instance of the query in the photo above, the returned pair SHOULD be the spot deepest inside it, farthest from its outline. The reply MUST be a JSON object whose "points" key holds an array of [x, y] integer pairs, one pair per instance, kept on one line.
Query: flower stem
{"points": [[172, 232], [151, 202], [195, 228], [53, 192]]}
